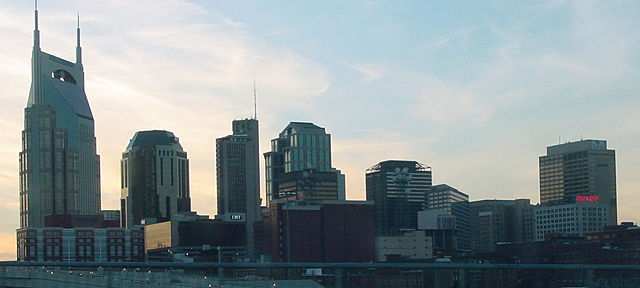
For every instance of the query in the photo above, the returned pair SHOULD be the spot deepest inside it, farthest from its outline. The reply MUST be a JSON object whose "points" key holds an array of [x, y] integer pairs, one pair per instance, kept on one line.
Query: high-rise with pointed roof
{"points": [[59, 167]]}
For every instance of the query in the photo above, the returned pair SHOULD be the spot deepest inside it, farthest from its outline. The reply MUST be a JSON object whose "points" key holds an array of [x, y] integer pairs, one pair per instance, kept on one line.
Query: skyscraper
{"points": [[238, 177], [454, 203], [583, 168], [154, 178], [59, 167], [300, 146], [399, 190]]}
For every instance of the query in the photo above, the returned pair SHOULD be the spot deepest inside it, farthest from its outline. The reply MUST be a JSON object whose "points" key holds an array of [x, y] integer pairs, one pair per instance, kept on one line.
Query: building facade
{"points": [[327, 231], [81, 244], [455, 203], [154, 178], [410, 245], [399, 190], [189, 237], [583, 168], [441, 227], [238, 177], [309, 185], [577, 219], [300, 146], [59, 167], [494, 221]]}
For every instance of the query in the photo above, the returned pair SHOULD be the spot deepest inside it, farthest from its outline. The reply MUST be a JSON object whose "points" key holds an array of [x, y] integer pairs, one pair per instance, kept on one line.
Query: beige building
{"points": [[411, 244]]}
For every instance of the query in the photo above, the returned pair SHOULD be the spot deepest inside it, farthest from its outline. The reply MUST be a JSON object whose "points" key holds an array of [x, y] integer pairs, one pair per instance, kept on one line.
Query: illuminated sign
{"points": [[236, 217], [587, 198]]}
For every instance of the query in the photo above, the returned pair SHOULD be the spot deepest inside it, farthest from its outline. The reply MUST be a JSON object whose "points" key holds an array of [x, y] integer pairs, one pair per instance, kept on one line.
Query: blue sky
{"points": [[476, 90]]}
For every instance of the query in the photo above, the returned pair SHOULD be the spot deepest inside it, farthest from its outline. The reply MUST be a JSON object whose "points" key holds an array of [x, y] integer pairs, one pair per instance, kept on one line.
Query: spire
{"points": [[255, 102], [78, 48], [36, 32]]}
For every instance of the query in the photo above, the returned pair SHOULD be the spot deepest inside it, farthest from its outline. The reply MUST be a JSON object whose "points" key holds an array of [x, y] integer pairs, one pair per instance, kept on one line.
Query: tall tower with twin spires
{"points": [[59, 167]]}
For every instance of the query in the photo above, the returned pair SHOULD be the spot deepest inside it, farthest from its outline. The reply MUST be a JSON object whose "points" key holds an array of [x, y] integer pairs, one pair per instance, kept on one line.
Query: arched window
{"points": [[63, 76]]}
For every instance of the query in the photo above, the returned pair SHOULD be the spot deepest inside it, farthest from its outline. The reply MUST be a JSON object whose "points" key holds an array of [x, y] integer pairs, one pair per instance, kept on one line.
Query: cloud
{"points": [[369, 71]]}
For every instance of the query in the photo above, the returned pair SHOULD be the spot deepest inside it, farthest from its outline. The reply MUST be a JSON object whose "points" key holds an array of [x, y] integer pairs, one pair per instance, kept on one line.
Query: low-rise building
{"points": [[327, 231], [440, 226], [411, 245], [578, 218], [189, 237], [81, 244]]}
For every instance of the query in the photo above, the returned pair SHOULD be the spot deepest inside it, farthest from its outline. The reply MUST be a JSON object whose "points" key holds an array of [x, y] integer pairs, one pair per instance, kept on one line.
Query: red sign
{"points": [[587, 198]]}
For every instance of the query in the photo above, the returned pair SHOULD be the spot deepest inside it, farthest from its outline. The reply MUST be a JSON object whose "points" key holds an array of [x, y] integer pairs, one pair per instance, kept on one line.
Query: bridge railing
{"points": [[358, 274]]}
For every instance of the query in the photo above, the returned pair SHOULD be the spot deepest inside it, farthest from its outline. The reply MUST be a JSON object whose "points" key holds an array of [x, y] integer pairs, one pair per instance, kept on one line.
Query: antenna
{"points": [[78, 49], [255, 102], [36, 32]]}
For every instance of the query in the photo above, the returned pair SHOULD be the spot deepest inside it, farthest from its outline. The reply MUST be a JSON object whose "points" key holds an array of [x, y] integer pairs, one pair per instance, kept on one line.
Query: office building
{"points": [[583, 168], [574, 219], [454, 203], [399, 190], [238, 177], [327, 231], [154, 178], [59, 167], [300, 146], [494, 221]]}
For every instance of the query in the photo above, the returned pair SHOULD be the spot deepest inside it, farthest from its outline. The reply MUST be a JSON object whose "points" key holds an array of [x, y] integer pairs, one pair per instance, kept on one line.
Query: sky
{"points": [[476, 90]]}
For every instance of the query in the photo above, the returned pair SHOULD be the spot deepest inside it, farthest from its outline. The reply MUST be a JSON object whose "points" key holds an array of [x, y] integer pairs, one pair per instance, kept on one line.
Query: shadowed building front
{"points": [[238, 178], [154, 178]]}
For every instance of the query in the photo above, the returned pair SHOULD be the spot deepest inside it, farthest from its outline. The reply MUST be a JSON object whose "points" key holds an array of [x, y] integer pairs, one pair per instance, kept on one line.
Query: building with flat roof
{"points": [[410, 245], [238, 177], [327, 231], [583, 168], [399, 190], [89, 244], [455, 203], [494, 221], [579, 219], [189, 237]]}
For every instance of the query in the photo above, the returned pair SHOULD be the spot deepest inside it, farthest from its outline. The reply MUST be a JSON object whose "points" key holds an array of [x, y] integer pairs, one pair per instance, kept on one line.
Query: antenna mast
{"points": [[255, 102]]}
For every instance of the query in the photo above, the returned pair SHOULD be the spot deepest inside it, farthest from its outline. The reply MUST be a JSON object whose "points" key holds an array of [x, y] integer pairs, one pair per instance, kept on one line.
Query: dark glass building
{"points": [[154, 178], [399, 190]]}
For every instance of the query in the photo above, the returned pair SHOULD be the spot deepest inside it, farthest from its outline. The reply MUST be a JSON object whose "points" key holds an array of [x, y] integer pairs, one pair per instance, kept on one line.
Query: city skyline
{"points": [[480, 130]]}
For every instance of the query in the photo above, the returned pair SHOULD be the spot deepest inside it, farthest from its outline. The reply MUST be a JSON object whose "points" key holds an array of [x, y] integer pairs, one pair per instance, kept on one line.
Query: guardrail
{"points": [[379, 274]]}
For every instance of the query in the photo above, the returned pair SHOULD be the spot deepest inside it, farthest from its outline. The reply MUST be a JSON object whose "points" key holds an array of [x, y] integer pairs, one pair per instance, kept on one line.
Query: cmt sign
{"points": [[587, 198]]}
